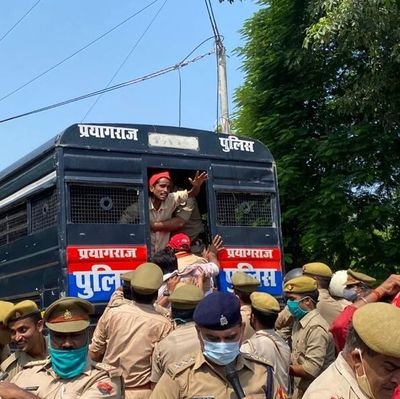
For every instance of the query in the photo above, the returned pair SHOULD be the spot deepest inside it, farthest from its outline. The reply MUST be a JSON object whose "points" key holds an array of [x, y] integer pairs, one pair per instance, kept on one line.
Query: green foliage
{"points": [[322, 91]]}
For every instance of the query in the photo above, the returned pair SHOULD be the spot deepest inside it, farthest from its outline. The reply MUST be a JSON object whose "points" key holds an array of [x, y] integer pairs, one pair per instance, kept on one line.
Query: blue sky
{"points": [[56, 29]]}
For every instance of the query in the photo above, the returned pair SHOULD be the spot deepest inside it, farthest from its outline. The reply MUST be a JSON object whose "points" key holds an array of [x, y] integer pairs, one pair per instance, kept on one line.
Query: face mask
{"points": [[68, 363], [221, 353], [350, 294], [295, 309], [363, 382]]}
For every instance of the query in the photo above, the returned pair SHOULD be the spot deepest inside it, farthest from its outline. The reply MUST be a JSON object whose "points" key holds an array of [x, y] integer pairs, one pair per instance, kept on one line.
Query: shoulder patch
{"points": [[9, 361], [110, 370], [178, 367]]}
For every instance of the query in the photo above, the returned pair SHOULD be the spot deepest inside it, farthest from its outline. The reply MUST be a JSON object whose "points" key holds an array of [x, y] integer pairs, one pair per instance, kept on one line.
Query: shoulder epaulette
{"points": [[178, 367], [34, 363], [110, 370], [255, 357]]}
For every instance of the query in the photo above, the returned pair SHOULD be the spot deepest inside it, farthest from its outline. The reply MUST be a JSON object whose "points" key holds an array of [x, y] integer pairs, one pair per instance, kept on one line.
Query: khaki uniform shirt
{"points": [[4, 352], [312, 348], [15, 363], [178, 344], [336, 382], [269, 345], [195, 377], [284, 324], [159, 239], [126, 335], [98, 381], [185, 259], [194, 224], [245, 311], [328, 307]]}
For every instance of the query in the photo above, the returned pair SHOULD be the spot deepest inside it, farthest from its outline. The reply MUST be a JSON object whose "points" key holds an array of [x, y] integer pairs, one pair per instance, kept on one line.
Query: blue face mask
{"points": [[221, 353], [68, 363], [295, 309], [350, 294]]}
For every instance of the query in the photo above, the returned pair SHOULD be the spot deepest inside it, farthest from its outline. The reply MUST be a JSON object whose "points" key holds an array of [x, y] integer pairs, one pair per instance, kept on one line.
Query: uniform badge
{"points": [[67, 315], [105, 388], [289, 287], [223, 320]]}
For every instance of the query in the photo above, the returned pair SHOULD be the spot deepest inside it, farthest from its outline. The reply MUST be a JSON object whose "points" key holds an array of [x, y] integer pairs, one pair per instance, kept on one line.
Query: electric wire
{"points": [[77, 52], [111, 88], [19, 21], [125, 59]]}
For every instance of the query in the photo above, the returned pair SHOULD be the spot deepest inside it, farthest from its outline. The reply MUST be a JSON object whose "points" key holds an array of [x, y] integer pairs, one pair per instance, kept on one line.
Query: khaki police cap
{"points": [[299, 285], [127, 276], [357, 278], [5, 308], [68, 315], [245, 283], [21, 310], [264, 302], [317, 269], [186, 296], [378, 325], [147, 278]]}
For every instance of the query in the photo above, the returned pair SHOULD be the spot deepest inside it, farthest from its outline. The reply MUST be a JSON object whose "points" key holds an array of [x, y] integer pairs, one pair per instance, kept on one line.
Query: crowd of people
{"points": [[165, 335], [168, 333]]}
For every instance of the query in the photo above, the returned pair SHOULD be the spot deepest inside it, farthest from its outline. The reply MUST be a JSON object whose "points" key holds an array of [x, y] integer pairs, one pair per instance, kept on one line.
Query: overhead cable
{"points": [[19, 21], [76, 52], [126, 59], [111, 88]]}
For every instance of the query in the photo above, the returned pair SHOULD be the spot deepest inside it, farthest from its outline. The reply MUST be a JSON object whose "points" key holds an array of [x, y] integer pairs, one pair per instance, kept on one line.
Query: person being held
{"points": [[369, 365], [68, 372], [25, 324], [206, 373], [162, 204], [266, 343]]}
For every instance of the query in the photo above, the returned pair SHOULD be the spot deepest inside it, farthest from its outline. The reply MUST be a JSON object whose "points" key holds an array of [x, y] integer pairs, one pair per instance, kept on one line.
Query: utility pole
{"points": [[224, 123]]}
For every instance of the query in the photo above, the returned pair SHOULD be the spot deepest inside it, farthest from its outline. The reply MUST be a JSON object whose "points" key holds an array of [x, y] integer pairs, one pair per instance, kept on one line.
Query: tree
{"points": [[327, 106]]}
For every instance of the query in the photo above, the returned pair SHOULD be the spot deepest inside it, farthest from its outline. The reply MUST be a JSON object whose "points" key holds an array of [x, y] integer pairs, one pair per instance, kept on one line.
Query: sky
{"points": [[158, 37]]}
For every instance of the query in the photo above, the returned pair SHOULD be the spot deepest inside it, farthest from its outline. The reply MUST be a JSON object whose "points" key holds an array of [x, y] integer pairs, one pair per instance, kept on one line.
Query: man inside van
{"points": [[162, 204]]}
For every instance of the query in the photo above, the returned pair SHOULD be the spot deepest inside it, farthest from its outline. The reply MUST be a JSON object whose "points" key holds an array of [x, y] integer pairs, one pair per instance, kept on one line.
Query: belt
{"points": [[144, 386]]}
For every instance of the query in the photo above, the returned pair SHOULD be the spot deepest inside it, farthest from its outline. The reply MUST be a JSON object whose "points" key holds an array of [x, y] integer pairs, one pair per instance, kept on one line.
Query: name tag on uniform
{"points": [[203, 397], [31, 388]]}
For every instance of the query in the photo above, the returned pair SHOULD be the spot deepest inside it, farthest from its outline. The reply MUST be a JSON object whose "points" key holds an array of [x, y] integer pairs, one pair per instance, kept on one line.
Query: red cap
{"points": [[179, 242], [153, 179]]}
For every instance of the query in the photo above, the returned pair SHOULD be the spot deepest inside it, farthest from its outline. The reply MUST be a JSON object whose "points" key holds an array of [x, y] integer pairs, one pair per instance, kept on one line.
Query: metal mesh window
{"points": [[13, 224], [103, 205], [244, 209], [44, 211]]}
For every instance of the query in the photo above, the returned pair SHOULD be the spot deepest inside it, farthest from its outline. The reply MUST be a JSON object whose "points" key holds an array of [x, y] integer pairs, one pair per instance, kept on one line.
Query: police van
{"points": [[61, 205]]}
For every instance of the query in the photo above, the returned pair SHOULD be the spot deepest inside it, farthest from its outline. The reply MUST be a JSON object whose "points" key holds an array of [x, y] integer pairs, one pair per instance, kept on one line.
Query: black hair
{"points": [[166, 260], [127, 290], [243, 296], [313, 295], [266, 319], [145, 299]]}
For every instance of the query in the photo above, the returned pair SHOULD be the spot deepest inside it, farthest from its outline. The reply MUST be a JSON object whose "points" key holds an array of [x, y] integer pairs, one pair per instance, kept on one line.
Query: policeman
{"points": [[25, 324], [243, 285], [266, 343], [358, 285], [312, 345], [68, 372], [369, 365], [328, 307], [126, 335], [207, 372], [183, 339], [4, 331]]}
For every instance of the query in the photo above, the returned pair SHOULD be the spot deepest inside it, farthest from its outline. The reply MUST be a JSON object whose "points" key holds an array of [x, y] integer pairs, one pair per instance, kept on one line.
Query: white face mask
{"points": [[362, 380]]}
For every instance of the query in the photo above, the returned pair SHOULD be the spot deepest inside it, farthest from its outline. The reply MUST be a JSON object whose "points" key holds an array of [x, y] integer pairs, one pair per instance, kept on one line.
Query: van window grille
{"points": [[44, 211], [103, 205], [244, 209], [13, 224]]}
